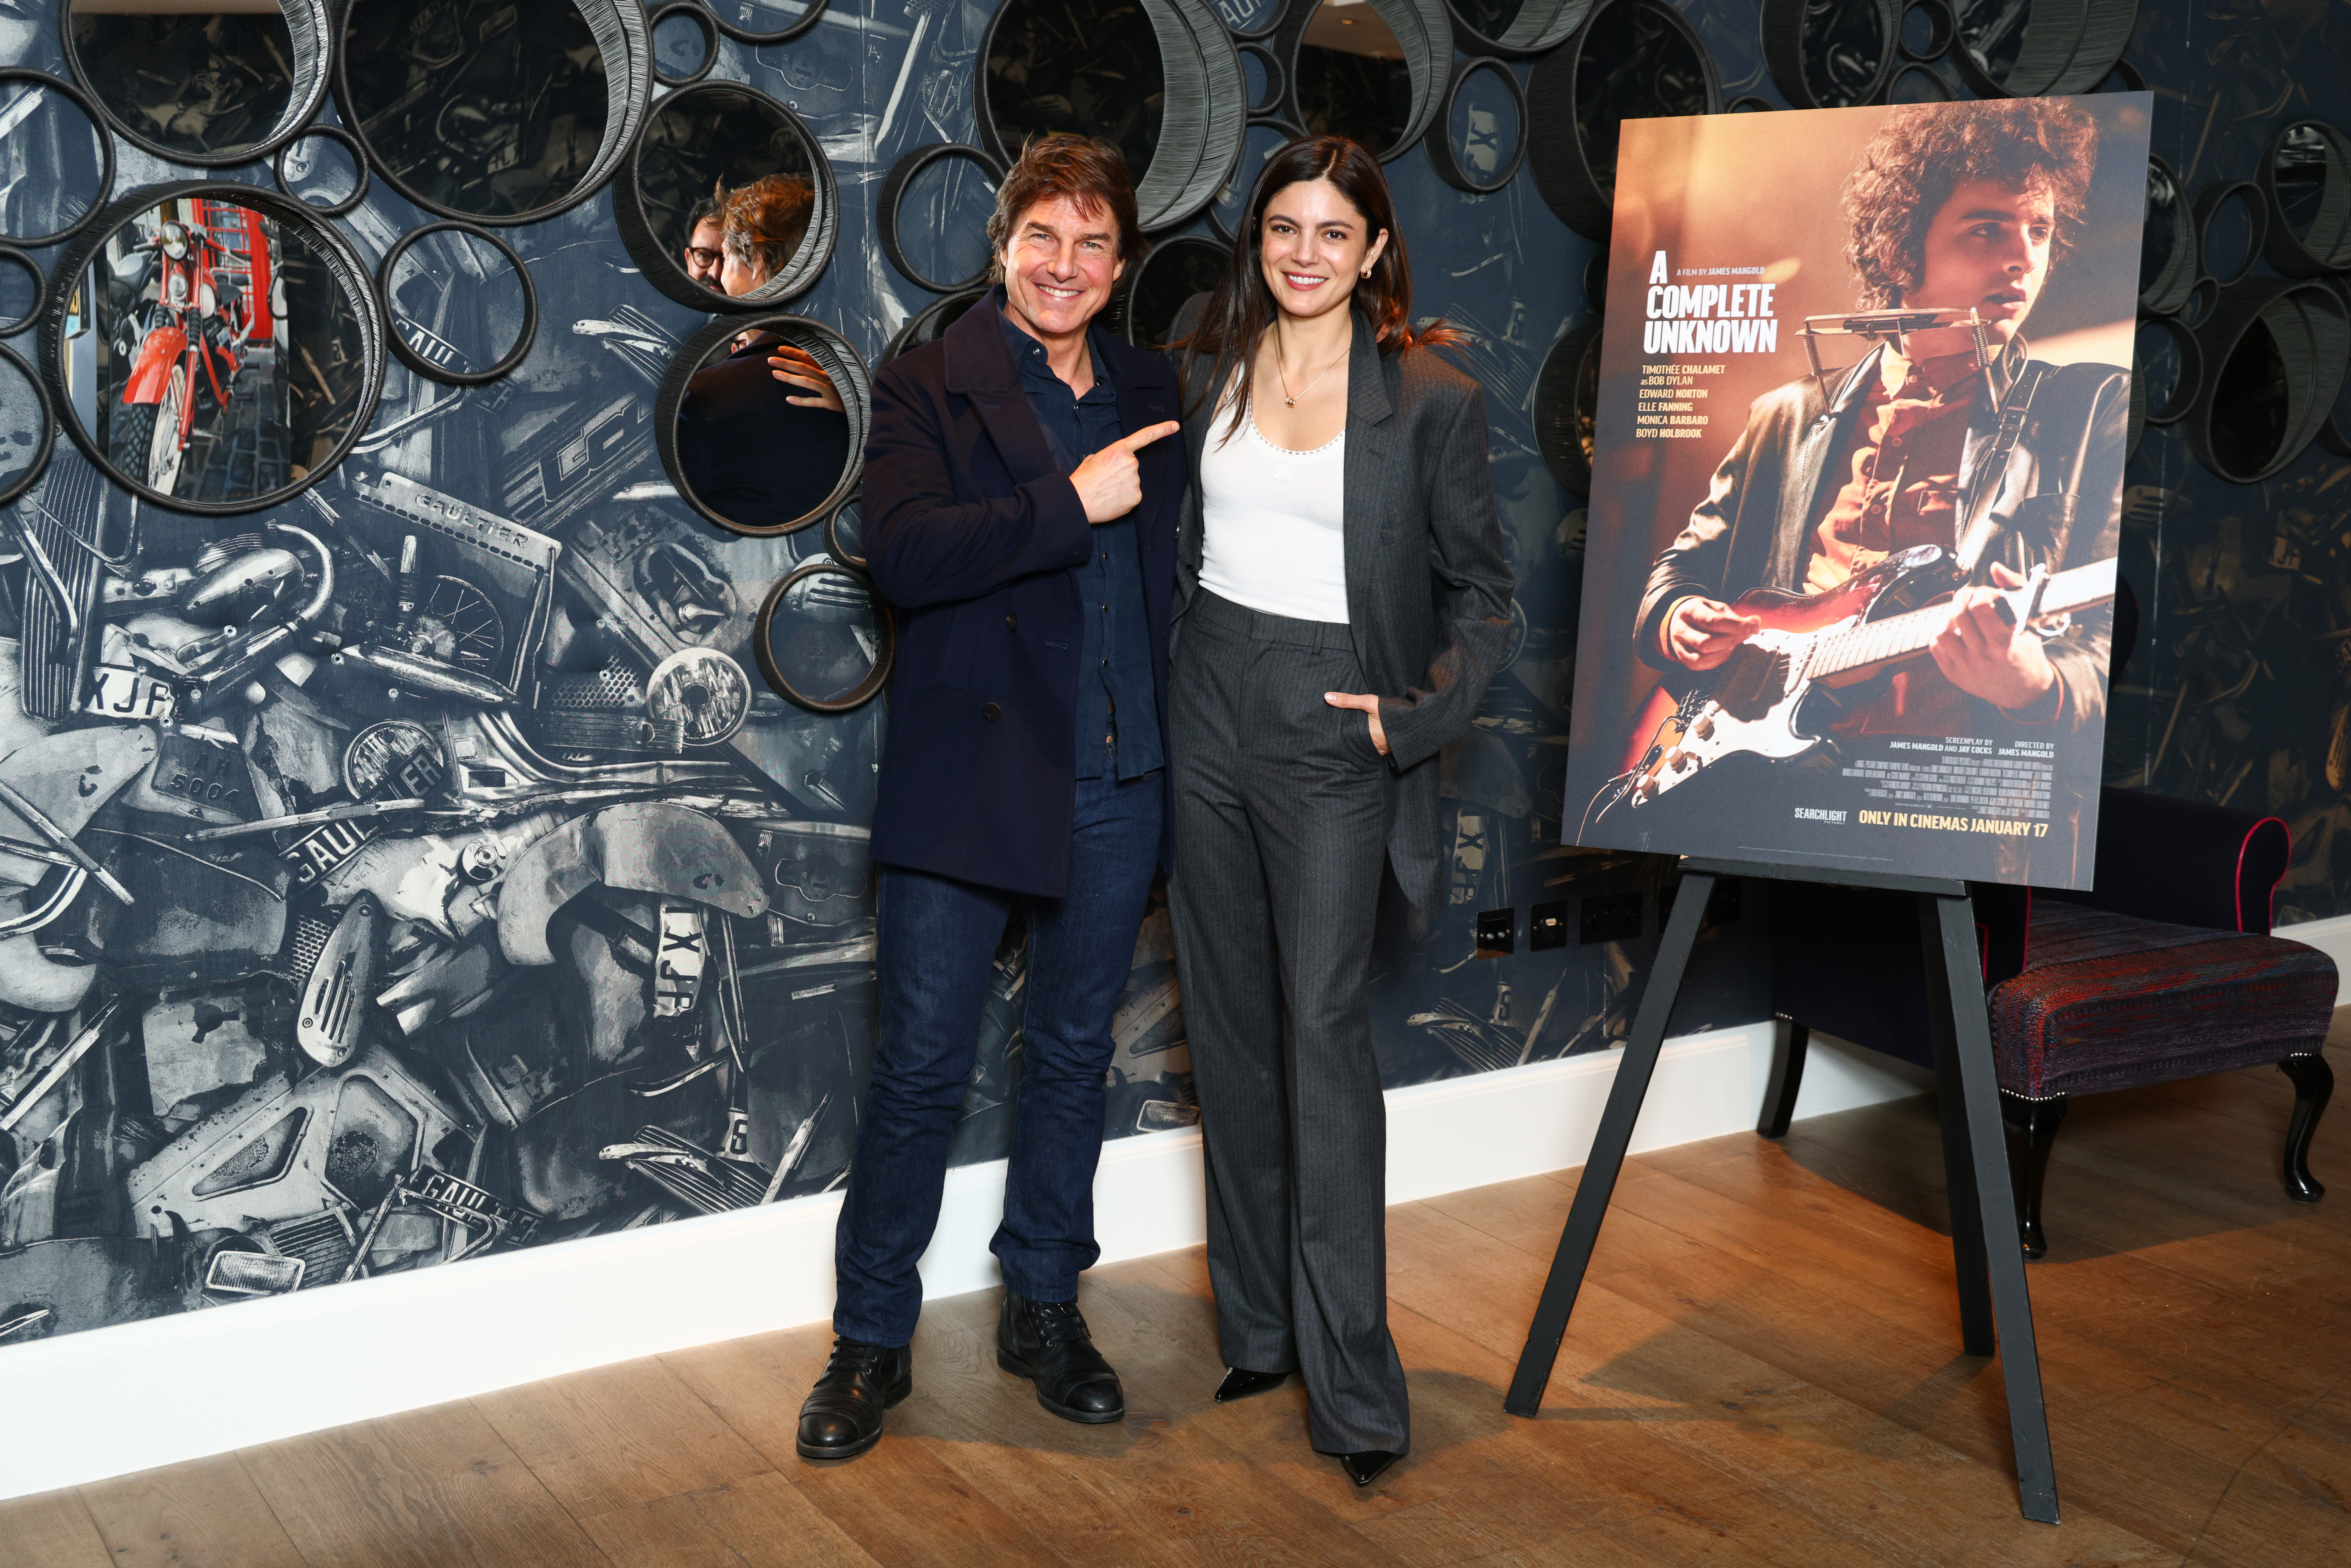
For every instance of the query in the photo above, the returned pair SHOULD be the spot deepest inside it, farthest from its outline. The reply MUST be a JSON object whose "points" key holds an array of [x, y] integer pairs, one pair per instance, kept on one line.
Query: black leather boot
{"points": [[842, 1415], [1047, 1343]]}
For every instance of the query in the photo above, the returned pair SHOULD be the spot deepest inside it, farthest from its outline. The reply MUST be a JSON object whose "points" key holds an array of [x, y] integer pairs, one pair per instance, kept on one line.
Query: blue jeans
{"points": [[938, 940]]}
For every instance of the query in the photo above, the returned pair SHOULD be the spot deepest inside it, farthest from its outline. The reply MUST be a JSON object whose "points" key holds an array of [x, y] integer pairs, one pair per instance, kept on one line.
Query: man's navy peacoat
{"points": [[974, 539]]}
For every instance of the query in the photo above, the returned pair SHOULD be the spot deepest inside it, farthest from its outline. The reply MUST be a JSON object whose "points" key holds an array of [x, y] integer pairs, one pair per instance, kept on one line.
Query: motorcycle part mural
{"points": [[738, 447], [57, 162], [210, 82], [31, 424], [215, 347], [486, 887], [720, 154], [507, 114]]}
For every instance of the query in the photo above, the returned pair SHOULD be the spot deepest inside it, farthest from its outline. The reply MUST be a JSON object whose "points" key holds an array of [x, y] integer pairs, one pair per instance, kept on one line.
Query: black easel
{"points": [[1990, 1280]]}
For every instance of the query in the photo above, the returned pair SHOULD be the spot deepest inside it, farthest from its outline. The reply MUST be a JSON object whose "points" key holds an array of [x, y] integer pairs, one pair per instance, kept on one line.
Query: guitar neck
{"points": [[1876, 642]]}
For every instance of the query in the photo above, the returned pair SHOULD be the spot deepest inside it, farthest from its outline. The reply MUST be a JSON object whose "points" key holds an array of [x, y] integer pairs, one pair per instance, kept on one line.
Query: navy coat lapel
{"points": [[1146, 396], [981, 369]]}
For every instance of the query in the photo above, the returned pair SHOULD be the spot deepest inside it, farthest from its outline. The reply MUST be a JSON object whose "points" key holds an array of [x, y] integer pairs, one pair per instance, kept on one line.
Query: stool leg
{"points": [[1789, 1041], [2314, 1083], [2035, 1123]]}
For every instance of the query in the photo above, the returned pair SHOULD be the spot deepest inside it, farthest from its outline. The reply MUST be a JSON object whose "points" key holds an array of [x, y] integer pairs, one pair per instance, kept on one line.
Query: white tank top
{"points": [[1272, 536]]}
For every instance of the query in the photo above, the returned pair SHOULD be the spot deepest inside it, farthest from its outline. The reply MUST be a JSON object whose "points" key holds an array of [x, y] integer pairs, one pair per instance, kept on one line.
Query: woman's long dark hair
{"points": [[1242, 308]]}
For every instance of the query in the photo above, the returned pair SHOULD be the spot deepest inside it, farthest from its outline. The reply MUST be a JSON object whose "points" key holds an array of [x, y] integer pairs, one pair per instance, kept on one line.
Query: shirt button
{"points": [[990, 711], [1012, 623]]}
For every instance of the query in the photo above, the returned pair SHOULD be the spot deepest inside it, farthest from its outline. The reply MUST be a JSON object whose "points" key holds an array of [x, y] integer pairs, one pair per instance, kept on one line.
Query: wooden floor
{"points": [[1764, 1370]]}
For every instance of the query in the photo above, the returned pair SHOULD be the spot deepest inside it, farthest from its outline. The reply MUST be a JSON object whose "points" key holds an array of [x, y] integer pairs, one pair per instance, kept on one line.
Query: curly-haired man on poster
{"points": [[1945, 434]]}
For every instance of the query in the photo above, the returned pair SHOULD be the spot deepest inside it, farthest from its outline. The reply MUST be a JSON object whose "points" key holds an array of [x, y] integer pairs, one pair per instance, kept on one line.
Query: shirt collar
{"points": [[1029, 355]]}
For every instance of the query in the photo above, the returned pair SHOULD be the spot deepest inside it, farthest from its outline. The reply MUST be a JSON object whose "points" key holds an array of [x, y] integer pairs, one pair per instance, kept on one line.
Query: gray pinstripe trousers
{"points": [[1282, 812]]}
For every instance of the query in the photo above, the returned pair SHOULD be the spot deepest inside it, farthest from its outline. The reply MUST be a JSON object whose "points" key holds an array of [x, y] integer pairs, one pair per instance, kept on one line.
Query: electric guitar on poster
{"points": [[1755, 703]]}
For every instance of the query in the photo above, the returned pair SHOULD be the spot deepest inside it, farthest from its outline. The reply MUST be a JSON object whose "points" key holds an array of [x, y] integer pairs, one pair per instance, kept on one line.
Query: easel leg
{"points": [[1955, 998], [1608, 1146], [1977, 1336]]}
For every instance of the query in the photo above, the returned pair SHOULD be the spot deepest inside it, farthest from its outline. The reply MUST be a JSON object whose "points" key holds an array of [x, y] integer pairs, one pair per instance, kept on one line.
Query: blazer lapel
{"points": [[1370, 479]]}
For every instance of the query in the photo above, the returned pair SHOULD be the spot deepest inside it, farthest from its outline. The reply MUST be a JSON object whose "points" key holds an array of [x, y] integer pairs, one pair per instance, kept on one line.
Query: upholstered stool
{"points": [[2111, 1001]]}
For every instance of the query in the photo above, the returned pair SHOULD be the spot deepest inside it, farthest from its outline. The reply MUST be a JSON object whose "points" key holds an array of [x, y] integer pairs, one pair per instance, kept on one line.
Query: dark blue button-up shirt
{"points": [[1117, 708]]}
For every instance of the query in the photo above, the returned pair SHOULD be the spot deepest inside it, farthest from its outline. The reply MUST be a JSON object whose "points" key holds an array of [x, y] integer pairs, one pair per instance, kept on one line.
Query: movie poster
{"points": [[1863, 406]]}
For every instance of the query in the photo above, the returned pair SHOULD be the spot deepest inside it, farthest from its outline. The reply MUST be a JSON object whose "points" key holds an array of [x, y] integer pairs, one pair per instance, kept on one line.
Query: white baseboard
{"points": [[275, 1368], [2331, 936]]}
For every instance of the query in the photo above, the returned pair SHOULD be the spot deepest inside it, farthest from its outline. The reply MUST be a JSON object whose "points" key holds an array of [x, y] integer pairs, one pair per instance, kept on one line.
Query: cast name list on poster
{"points": [[1696, 319]]}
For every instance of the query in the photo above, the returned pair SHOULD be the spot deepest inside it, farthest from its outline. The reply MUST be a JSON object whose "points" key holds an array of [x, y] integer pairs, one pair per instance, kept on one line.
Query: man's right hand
{"points": [[1701, 632], [1109, 483]]}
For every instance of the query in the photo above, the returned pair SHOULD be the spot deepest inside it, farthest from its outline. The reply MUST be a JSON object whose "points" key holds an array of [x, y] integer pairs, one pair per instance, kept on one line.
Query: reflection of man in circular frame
{"points": [[705, 232], [2006, 464], [761, 434]]}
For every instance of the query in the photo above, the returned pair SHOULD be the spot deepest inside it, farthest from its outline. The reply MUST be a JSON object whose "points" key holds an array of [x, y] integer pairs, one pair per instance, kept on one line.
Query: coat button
{"points": [[990, 711], [1012, 623]]}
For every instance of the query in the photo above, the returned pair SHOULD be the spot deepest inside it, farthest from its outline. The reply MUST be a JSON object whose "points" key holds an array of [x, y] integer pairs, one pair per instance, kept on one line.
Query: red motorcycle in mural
{"points": [[213, 312]]}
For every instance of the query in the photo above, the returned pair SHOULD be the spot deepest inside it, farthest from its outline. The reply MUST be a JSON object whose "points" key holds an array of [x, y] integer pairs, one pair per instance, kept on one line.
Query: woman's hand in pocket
{"points": [[1367, 705]]}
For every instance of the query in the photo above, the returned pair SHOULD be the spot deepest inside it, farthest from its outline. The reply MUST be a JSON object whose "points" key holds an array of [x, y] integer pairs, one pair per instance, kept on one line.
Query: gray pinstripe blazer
{"points": [[1428, 587]]}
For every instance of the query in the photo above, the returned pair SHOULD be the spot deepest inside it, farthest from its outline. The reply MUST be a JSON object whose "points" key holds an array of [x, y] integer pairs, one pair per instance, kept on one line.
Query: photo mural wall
{"points": [[433, 780]]}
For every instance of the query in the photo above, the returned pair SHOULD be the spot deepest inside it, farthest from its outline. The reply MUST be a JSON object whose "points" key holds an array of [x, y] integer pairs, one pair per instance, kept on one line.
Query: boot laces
{"points": [[1057, 1323], [855, 1355]]}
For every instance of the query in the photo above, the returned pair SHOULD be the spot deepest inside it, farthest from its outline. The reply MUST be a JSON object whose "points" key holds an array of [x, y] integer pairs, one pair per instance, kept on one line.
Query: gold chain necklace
{"points": [[1290, 398]]}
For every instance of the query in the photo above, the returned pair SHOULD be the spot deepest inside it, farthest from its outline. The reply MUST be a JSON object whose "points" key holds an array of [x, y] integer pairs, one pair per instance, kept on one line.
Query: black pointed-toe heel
{"points": [[1367, 1466], [1240, 1383]]}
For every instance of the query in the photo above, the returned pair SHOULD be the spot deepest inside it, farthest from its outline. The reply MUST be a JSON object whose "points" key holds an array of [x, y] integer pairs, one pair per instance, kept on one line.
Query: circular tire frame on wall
{"points": [[1563, 407], [1205, 105], [1439, 137], [402, 350], [828, 347], [662, 270], [1583, 197], [311, 24], [2326, 247], [1785, 25], [626, 43], [2065, 48], [2310, 324], [885, 659], [1539, 25], [904, 173], [337, 255], [1423, 29]]}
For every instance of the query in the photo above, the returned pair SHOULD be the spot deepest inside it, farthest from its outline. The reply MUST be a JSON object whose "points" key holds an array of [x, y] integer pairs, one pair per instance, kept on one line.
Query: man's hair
{"points": [[766, 220], [1924, 151], [707, 210], [1093, 176]]}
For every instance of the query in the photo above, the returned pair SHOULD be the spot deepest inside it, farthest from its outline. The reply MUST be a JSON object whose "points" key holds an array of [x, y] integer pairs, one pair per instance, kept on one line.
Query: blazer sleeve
{"points": [[1471, 576], [924, 545]]}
